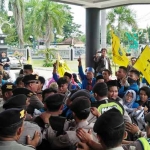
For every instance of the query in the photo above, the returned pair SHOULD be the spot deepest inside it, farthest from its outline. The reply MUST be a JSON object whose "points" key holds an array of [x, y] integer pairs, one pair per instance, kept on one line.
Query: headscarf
{"points": [[130, 104]]}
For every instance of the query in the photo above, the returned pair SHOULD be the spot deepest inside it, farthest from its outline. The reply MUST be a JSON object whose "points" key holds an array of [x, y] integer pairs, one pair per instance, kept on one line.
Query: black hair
{"points": [[21, 71], [82, 115], [53, 108], [101, 89], [48, 90], [18, 80], [107, 70], [10, 131], [146, 89], [42, 79], [112, 137], [109, 86], [135, 72], [123, 68], [61, 81]]}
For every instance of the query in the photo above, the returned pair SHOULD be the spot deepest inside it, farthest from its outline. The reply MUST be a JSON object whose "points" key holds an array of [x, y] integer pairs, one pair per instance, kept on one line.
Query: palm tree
{"points": [[122, 16], [18, 13], [45, 17]]}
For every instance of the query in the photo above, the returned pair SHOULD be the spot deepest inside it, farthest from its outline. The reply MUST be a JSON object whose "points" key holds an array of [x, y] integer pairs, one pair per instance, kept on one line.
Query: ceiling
{"points": [[103, 3]]}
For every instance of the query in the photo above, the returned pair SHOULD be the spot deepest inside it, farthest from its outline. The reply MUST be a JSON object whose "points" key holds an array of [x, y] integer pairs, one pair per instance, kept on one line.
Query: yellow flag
{"points": [[62, 66], [143, 63], [119, 55]]}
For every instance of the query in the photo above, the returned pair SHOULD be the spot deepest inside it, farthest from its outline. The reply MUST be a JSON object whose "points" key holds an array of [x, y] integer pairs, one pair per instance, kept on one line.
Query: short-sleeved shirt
{"points": [[5, 59]]}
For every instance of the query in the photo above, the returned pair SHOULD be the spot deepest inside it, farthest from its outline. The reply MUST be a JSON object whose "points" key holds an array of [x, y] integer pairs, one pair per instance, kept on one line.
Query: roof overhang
{"points": [[102, 4]]}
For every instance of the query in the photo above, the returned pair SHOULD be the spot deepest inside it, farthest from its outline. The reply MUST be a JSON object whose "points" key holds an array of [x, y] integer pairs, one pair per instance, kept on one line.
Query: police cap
{"points": [[18, 101], [24, 91], [8, 87], [29, 78], [80, 93], [11, 117], [53, 102], [81, 104]]}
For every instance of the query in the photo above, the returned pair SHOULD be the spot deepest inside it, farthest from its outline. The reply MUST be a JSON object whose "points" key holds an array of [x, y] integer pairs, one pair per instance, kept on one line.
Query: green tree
{"points": [[122, 16], [45, 16], [69, 26], [18, 14]]}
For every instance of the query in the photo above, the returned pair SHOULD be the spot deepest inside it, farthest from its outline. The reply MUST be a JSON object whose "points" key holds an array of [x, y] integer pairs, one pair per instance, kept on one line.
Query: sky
{"points": [[142, 15]]}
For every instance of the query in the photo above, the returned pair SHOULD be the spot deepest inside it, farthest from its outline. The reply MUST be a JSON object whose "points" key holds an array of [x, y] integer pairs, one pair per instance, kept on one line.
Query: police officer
{"points": [[81, 110], [21, 101], [31, 83], [6, 90], [11, 130]]}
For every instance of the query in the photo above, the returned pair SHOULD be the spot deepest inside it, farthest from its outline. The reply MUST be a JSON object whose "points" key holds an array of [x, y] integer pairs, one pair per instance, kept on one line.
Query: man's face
{"points": [[27, 71], [113, 92], [89, 75], [40, 86], [103, 52], [34, 86], [63, 88], [7, 95], [3, 54], [133, 76], [68, 79], [121, 74], [105, 75], [20, 85]]}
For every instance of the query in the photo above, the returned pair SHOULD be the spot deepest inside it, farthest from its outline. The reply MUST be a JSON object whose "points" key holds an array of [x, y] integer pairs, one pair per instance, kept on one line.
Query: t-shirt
{"points": [[3, 60]]}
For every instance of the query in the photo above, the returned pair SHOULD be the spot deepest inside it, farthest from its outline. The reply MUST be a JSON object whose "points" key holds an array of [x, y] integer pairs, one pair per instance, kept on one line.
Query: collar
{"points": [[116, 148], [104, 98], [82, 124]]}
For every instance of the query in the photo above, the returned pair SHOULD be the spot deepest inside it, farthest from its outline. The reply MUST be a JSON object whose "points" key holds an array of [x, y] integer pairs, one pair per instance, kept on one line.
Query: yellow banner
{"points": [[143, 63], [62, 66], [119, 55]]}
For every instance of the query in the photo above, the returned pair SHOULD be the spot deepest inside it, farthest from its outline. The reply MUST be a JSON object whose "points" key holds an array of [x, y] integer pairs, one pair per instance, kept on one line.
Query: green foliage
{"points": [[49, 54], [69, 26], [82, 38]]}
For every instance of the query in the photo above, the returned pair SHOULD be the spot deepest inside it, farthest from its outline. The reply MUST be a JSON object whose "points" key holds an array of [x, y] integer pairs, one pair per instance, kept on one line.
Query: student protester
{"points": [[102, 62], [88, 80], [132, 80], [106, 75], [110, 130], [129, 101], [130, 66], [12, 128], [31, 83], [5, 74], [67, 75], [5, 61], [27, 69]]}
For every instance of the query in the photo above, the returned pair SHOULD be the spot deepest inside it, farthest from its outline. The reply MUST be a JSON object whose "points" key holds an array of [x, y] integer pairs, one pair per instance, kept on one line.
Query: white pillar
{"points": [[103, 29]]}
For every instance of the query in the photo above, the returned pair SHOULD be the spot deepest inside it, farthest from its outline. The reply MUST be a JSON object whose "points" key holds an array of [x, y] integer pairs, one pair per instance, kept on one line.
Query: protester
{"points": [[5, 61]]}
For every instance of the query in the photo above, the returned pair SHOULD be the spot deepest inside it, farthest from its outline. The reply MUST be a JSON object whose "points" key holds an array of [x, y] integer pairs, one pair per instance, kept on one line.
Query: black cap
{"points": [[99, 77], [54, 101], [81, 104], [30, 77], [11, 117], [68, 75], [112, 83], [27, 66], [80, 93], [110, 120], [18, 101], [24, 91], [8, 87]]}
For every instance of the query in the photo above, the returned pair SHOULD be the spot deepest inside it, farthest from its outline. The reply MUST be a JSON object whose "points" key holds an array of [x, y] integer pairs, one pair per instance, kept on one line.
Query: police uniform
{"points": [[35, 103], [5, 88], [19, 101], [15, 116], [80, 104]]}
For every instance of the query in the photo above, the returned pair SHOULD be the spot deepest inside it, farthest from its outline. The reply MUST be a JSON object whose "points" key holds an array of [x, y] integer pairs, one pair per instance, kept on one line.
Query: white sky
{"points": [[142, 15]]}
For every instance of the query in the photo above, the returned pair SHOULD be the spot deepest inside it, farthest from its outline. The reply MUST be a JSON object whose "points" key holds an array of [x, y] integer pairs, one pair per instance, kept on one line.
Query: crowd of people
{"points": [[85, 111]]}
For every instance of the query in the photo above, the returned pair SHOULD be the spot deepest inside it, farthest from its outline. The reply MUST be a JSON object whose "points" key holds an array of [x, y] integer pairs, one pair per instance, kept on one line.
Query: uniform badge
{"points": [[9, 87], [22, 114], [37, 77], [30, 94]]}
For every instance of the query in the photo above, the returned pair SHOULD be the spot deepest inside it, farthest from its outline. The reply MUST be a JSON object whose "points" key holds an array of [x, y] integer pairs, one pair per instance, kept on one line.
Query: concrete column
{"points": [[92, 34], [103, 29]]}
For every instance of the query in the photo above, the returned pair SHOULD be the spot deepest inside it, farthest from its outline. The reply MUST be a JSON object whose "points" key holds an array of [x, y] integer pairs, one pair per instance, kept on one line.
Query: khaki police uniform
{"points": [[13, 145]]}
